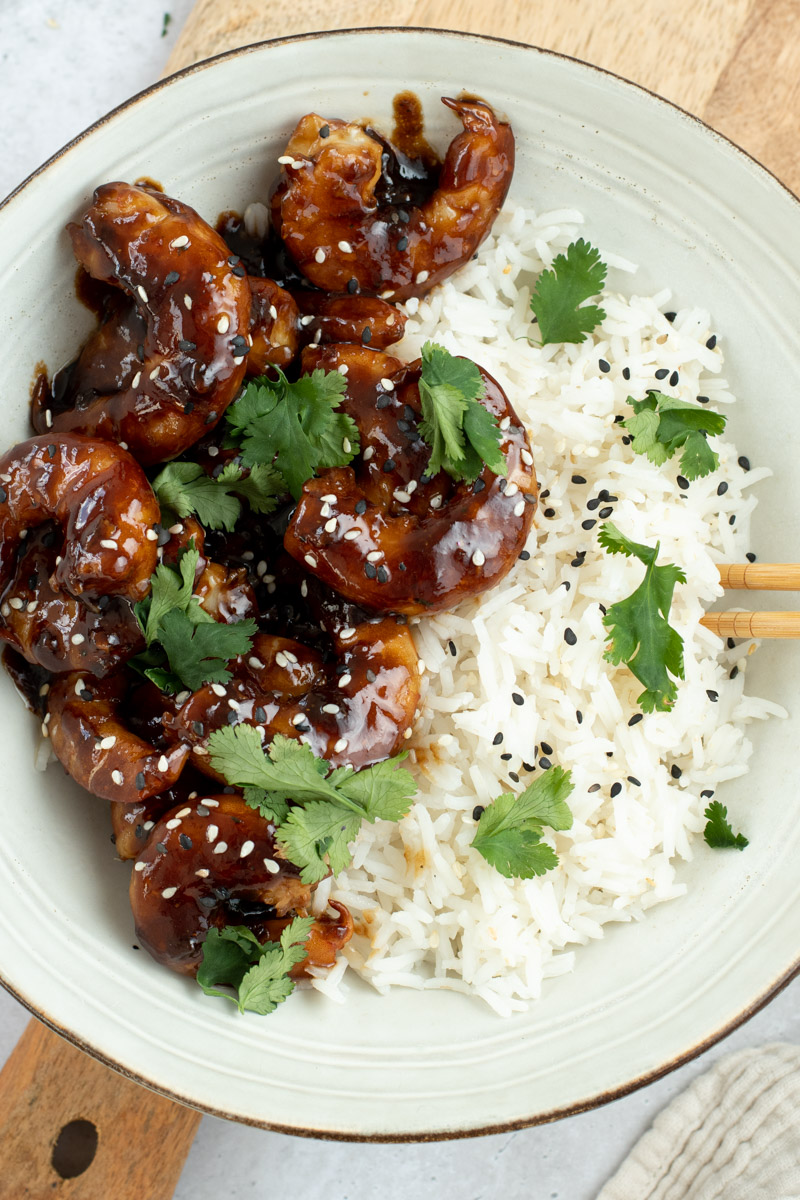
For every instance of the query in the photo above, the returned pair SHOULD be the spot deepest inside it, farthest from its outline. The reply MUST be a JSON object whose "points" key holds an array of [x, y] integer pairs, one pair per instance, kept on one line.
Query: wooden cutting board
{"points": [[736, 63]]}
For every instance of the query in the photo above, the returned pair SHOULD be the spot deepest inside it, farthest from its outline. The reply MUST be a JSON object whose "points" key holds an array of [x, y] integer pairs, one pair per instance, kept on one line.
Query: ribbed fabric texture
{"points": [[733, 1135]]}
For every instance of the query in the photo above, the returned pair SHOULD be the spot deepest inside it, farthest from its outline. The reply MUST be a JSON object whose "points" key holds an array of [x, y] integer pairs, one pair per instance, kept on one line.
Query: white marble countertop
{"points": [[63, 63]]}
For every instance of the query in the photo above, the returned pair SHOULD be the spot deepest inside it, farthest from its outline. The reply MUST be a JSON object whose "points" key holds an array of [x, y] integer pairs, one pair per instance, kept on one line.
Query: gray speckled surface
{"points": [[62, 65]]}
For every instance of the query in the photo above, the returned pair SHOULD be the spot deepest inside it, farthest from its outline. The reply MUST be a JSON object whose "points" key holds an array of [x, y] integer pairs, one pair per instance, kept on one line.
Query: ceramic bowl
{"points": [[657, 187]]}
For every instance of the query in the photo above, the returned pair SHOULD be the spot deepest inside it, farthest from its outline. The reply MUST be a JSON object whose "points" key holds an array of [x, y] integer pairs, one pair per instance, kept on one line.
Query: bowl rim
{"points": [[600, 1098]]}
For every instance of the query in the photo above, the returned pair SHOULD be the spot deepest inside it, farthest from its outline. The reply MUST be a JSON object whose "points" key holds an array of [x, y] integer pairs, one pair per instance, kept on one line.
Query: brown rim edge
{"points": [[599, 1098]]}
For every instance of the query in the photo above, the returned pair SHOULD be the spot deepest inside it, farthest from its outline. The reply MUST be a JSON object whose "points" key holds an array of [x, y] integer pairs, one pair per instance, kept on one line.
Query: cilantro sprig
{"points": [[661, 425], [462, 434], [509, 833], [639, 632], [296, 425], [184, 488], [718, 832], [186, 647], [328, 806], [233, 958], [559, 295]]}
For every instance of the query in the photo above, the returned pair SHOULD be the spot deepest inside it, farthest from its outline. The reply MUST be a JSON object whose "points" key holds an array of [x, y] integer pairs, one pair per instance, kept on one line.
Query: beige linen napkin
{"points": [[734, 1134]]}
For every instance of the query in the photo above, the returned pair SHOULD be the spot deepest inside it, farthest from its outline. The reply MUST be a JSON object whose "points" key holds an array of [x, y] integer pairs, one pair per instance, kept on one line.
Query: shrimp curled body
{"points": [[342, 237], [195, 311], [387, 536]]}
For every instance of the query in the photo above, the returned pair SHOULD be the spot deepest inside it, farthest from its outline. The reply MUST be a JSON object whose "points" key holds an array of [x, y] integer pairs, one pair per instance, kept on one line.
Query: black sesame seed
{"points": [[636, 782], [712, 695], [478, 812], [702, 399], [304, 728], [524, 555], [570, 636], [401, 566], [188, 407], [543, 495], [383, 574], [712, 341], [513, 775], [722, 489], [366, 335], [402, 244], [140, 781], [616, 788], [529, 498], [384, 401], [730, 643], [619, 419], [565, 583], [609, 753], [636, 718], [744, 463], [675, 771], [682, 483], [604, 366], [202, 811], [403, 216], [352, 286], [451, 646], [590, 524], [579, 716], [233, 717], [185, 841], [670, 316], [140, 352], [161, 848], [239, 272], [233, 259], [211, 418], [546, 749], [626, 441], [673, 379], [198, 728], [51, 450], [594, 788], [545, 764], [239, 344], [626, 373], [549, 512], [389, 465], [478, 486], [173, 277], [260, 715], [577, 562], [361, 507], [732, 519], [662, 373], [604, 495], [518, 699], [602, 608], [750, 556], [578, 479], [206, 901], [506, 757], [324, 131], [707, 794], [497, 739], [371, 676], [86, 695], [605, 512], [370, 570], [593, 503], [529, 766]]}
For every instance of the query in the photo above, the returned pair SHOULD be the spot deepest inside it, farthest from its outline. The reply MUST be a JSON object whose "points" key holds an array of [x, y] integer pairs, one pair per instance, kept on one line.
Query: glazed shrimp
{"points": [[355, 709], [274, 327], [92, 742], [210, 863], [195, 311], [343, 238], [384, 534], [77, 545]]}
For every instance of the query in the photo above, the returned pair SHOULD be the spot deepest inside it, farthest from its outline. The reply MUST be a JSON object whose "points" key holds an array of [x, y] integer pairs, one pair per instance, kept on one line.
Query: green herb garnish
{"points": [[640, 634], [462, 434], [718, 832], [509, 833], [663, 424], [328, 806], [560, 292], [184, 488], [186, 647], [296, 425], [234, 958]]}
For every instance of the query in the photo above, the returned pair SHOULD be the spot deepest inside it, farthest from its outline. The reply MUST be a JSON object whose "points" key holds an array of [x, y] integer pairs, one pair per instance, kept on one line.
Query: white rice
{"points": [[429, 911]]}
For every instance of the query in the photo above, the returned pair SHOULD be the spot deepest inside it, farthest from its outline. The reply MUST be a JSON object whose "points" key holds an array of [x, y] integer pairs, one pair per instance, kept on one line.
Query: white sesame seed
{"points": [[155, 372], [340, 746], [352, 534], [436, 501], [402, 497], [271, 866], [16, 603], [368, 453], [5, 609], [343, 368], [79, 686], [187, 301], [511, 489], [174, 823], [346, 634], [422, 276], [247, 848], [285, 159], [211, 832], [310, 559], [48, 418], [386, 295], [526, 457], [109, 544], [107, 742], [142, 294], [201, 750], [345, 248], [248, 555], [407, 734], [218, 689], [255, 663], [375, 556], [45, 732], [6, 478], [232, 704], [139, 866], [220, 847], [183, 813], [331, 708], [346, 445], [224, 323], [281, 659], [344, 680], [136, 379], [176, 529], [123, 445], [478, 558], [318, 337], [77, 639], [163, 764], [181, 698], [325, 510], [273, 312], [387, 385], [31, 606], [298, 163], [421, 666], [212, 451], [168, 893], [304, 589], [519, 508], [291, 657], [203, 873], [148, 825], [179, 242], [151, 535], [117, 777], [320, 255], [504, 424], [298, 718], [44, 689], [209, 803], [329, 498], [330, 526], [261, 570]]}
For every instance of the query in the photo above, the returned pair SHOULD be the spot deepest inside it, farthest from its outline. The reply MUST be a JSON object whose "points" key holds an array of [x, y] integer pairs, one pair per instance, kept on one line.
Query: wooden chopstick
{"points": [[768, 577]]}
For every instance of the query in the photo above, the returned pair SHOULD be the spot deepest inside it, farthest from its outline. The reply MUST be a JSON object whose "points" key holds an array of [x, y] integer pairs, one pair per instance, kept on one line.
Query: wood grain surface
{"points": [[736, 63], [142, 1139]]}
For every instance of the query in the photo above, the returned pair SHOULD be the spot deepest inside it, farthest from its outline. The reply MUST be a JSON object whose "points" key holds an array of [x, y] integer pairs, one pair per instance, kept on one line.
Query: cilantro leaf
{"points": [[509, 833], [295, 425], [718, 832], [259, 974], [573, 278], [663, 424], [170, 589], [199, 653], [317, 831], [271, 807], [639, 633], [461, 432], [185, 489]]}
